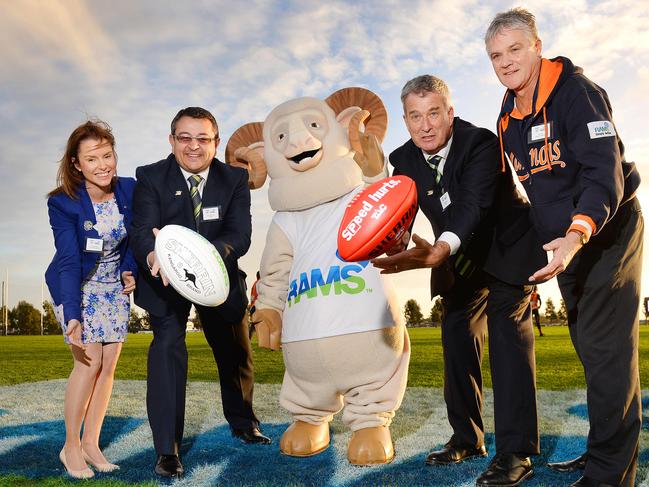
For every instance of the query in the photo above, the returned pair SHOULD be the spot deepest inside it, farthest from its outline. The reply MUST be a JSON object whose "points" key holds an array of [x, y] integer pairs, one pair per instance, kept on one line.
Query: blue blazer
{"points": [[71, 263]]}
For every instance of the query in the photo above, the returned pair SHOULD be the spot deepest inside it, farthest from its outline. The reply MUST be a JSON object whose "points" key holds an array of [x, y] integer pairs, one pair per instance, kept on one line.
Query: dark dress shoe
{"points": [[573, 465], [169, 466], [588, 482], [251, 435], [506, 470], [454, 454]]}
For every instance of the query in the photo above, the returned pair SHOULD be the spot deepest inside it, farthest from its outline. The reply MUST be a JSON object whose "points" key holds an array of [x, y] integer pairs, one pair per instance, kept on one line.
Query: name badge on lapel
{"points": [[445, 200], [537, 132], [211, 213], [94, 244]]}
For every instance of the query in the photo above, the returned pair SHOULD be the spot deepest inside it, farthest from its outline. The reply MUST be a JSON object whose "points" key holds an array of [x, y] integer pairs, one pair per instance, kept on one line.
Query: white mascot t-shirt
{"points": [[328, 296]]}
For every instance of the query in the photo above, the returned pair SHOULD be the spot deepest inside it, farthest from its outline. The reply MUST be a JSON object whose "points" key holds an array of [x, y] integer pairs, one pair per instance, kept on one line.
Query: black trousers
{"points": [[167, 374], [470, 309], [601, 288]]}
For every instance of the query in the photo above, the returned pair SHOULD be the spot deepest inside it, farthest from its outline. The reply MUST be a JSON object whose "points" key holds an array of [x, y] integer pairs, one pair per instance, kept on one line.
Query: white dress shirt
{"points": [[203, 174], [449, 237]]}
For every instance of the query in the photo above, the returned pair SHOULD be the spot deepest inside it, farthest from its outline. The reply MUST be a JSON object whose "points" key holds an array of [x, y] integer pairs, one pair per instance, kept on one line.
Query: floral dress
{"points": [[104, 308]]}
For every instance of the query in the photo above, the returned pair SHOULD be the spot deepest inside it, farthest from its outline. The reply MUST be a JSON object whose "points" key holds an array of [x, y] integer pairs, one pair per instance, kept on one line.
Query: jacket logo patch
{"points": [[600, 129]]}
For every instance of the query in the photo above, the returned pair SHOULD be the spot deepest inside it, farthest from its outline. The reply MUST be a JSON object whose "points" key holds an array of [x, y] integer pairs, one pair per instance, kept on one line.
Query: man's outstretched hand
{"points": [[563, 250], [422, 255]]}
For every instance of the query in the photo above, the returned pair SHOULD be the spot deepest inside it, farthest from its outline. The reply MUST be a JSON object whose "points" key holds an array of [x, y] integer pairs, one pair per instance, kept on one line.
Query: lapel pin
{"points": [[178, 193], [430, 192], [87, 225]]}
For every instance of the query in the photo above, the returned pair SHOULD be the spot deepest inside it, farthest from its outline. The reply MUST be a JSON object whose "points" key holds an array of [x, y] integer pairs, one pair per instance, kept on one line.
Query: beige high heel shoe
{"points": [[100, 467], [85, 473]]}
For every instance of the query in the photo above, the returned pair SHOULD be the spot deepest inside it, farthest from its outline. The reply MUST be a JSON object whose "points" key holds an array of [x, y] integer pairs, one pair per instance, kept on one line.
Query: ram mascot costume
{"points": [[343, 342]]}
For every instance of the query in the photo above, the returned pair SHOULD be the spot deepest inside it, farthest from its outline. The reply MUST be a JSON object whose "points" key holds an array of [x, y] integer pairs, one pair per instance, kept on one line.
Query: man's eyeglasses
{"points": [[186, 139]]}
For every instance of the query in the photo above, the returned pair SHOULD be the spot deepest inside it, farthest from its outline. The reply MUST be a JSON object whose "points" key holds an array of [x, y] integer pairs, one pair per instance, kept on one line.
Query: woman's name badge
{"points": [[94, 244], [211, 213], [445, 200]]}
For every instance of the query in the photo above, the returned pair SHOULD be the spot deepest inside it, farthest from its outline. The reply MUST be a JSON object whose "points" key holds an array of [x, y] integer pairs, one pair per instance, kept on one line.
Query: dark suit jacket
{"points": [[486, 211], [161, 198], [71, 263]]}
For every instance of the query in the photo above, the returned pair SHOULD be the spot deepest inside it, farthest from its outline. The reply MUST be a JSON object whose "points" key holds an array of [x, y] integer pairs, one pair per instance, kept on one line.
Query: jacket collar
{"points": [[552, 73], [87, 213], [86, 202]]}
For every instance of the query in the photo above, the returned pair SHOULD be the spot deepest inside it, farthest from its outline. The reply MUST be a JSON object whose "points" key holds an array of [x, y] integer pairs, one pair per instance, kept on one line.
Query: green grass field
{"points": [[37, 358]]}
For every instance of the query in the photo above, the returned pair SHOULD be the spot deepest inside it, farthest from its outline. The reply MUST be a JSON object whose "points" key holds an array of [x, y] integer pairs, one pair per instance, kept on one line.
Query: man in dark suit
{"points": [[194, 189], [480, 265]]}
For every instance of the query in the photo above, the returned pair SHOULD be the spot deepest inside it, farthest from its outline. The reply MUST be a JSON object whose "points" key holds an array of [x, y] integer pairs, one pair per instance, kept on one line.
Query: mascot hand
{"points": [[269, 328], [369, 154], [253, 162]]}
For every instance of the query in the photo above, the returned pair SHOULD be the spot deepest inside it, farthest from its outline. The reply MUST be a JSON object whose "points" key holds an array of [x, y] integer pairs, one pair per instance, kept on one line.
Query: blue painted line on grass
{"points": [[235, 463], [579, 410]]}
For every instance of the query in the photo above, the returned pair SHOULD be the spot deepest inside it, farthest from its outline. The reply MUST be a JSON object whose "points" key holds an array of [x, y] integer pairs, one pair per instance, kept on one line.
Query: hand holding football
{"points": [[192, 265]]}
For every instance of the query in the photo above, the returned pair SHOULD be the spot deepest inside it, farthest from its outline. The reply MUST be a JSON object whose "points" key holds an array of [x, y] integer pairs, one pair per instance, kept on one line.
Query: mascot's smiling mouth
{"points": [[304, 155]]}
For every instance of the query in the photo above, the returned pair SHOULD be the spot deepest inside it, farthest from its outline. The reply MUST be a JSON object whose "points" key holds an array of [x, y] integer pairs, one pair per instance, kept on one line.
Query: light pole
{"points": [[42, 306], [3, 302], [6, 299]]}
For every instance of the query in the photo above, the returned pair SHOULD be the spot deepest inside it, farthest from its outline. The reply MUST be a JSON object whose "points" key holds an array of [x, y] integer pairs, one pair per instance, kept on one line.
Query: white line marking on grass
{"points": [[11, 442], [434, 428], [419, 426], [129, 444], [565, 426], [203, 475]]}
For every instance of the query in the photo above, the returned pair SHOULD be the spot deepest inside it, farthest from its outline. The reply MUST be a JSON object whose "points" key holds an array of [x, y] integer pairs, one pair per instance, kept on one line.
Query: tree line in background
{"points": [[25, 319], [415, 318]]}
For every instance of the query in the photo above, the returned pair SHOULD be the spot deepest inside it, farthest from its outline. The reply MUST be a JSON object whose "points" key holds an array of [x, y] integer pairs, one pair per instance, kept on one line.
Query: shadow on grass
{"points": [[31, 450]]}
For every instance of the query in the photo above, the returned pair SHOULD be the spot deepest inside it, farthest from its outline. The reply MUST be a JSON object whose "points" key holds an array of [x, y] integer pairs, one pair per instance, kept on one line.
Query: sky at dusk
{"points": [[135, 64]]}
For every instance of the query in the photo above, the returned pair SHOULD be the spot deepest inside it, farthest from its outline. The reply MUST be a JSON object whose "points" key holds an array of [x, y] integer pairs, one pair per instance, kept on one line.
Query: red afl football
{"points": [[376, 218]]}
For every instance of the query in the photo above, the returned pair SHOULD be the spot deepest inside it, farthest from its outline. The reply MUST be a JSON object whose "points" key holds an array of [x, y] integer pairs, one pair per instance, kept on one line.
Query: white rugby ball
{"points": [[192, 265]]}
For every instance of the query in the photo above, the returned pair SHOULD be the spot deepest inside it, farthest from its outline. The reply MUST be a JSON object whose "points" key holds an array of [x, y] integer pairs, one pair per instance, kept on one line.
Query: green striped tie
{"points": [[433, 162], [194, 182]]}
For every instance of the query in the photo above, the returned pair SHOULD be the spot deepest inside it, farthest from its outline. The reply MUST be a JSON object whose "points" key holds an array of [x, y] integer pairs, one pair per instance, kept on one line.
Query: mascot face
{"points": [[300, 135], [304, 146]]}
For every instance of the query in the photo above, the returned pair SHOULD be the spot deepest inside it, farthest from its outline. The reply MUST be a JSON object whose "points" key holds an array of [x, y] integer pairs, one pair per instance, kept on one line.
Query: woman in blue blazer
{"points": [[90, 279]]}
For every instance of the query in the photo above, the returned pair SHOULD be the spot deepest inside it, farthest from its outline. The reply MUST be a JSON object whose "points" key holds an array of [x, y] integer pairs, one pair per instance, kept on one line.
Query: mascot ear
{"points": [[346, 115], [246, 149]]}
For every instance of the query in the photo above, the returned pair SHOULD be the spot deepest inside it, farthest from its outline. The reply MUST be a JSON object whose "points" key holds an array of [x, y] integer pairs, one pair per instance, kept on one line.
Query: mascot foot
{"points": [[371, 446], [304, 439]]}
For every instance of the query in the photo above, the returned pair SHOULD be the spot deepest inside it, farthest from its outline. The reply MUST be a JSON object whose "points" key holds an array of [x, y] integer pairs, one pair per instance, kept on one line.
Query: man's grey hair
{"points": [[426, 84], [516, 18]]}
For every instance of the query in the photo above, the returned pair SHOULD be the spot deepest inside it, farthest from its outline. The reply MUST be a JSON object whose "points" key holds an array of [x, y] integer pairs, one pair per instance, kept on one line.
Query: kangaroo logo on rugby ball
{"points": [[192, 265]]}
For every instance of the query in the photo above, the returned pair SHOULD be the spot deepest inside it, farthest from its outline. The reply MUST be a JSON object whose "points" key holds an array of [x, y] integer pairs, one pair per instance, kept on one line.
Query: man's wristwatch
{"points": [[582, 236]]}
